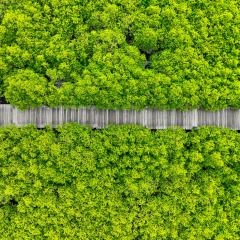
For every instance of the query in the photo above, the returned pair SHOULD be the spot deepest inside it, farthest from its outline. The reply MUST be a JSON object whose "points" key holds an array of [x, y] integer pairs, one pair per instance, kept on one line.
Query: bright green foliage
{"points": [[146, 39], [121, 54], [26, 87], [119, 183]]}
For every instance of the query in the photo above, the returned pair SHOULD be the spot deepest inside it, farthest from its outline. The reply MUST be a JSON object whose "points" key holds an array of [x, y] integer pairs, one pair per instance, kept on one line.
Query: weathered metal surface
{"points": [[150, 118]]}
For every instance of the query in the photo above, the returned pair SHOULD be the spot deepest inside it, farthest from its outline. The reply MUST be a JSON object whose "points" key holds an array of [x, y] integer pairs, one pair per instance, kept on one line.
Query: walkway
{"points": [[154, 119]]}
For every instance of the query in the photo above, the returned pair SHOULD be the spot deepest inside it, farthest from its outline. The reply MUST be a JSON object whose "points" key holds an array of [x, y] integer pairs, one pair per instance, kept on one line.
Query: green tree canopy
{"points": [[119, 183], [194, 44]]}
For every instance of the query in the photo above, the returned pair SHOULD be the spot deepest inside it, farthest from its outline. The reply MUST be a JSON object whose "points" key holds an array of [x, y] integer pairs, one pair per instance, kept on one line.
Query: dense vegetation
{"points": [[120, 53], [119, 183]]}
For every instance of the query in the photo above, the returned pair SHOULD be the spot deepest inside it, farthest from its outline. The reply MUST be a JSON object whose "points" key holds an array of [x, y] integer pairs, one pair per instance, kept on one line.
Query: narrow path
{"points": [[150, 118]]}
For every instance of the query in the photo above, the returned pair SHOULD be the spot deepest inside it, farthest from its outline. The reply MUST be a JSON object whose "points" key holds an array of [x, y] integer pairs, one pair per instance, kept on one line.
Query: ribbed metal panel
{"points": [[150, 118]]}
